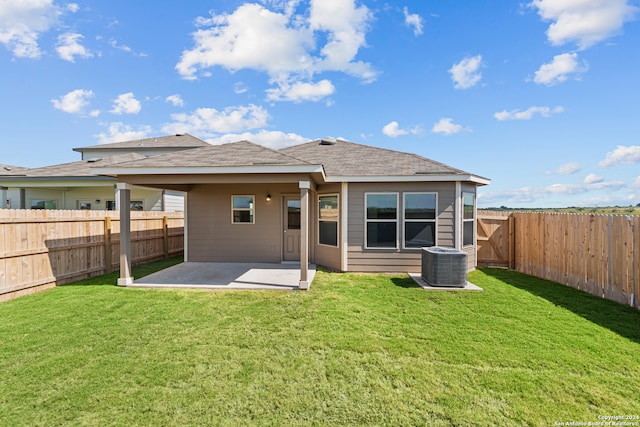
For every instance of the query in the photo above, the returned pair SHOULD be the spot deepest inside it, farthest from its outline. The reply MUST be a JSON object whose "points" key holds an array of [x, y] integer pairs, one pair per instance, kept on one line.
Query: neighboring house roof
{"points": [[8, 170], [177, 142], [77, 169]]}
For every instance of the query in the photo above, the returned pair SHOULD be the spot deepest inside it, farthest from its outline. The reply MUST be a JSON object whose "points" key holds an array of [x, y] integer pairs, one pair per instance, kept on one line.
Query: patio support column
{"points": [[124, 193], [305, 186]]}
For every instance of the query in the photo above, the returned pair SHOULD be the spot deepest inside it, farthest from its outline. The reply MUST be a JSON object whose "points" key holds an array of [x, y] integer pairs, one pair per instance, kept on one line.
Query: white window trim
{"points": [[253, 209], [337, 221], [366, 220], [472, 220], [405, 221]]}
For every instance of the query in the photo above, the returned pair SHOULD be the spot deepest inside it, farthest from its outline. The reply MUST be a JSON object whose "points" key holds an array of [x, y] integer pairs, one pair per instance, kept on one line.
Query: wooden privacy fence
{"points": [[599, 254], [40, 249]]}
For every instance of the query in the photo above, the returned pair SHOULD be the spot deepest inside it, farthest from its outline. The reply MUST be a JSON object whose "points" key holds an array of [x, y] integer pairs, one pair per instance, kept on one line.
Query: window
{"points": [[468, 219], [242, 209], [419, 219], [381, 218], [83, 205], [44, 204], [136, 205], [110, 205], [328, 220]]}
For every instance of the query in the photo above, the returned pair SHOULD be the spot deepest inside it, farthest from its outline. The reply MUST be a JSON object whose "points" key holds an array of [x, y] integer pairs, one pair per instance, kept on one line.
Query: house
{"points": [[73, 186], [342, 205]]}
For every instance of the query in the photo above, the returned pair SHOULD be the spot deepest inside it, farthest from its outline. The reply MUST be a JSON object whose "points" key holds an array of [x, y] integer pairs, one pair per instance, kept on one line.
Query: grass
{"points": [[354, 350]]}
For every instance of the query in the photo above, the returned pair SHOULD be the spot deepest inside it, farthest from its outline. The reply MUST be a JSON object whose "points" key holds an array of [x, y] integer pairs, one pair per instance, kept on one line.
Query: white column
{"points": [[344, 226], [124, 192], [457, 218], [305, 186]]}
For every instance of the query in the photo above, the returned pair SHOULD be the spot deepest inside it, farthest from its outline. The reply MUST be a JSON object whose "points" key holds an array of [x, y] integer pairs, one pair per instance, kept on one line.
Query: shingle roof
{"points": [[80, 168], [342, 158], [242, 153], [8, 170], [179, 141]]}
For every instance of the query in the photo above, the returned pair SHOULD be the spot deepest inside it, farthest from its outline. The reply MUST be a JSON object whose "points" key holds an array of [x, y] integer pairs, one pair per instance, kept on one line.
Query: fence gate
{"points": [[495, 239]]}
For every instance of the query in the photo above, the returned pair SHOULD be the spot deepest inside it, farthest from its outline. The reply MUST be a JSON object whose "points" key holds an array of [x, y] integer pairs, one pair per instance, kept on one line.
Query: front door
{"points": [[291, 239]]}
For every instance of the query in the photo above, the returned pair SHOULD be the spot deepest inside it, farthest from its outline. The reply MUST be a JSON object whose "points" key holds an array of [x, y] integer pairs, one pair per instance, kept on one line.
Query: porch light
{"points": [[268, 197]]}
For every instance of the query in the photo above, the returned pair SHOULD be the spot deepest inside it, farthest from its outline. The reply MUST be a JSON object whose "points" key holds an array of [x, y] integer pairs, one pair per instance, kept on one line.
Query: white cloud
{"points": [[413, 20], [114, 44], [22, 22], [73, 102], [621, 155], [73, 7], [392, 129], [528, 113], [585, 22], [118, 132], [557, 71], [566, 169], [288, 48], [300, 91], [68, 47], [240, 88], [176, 100], [210, 122], [592, 178], [465, 74], [446, 126], [636, 183], [271, 139], [126, 103]]}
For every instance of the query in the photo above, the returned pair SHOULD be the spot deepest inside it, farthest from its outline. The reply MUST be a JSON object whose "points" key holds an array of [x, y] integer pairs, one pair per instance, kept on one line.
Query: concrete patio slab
{"points": [[223, 275], [424, 285]]}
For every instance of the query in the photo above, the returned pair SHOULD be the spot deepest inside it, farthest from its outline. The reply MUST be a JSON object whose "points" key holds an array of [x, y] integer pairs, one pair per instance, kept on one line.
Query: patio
{"points": [[224, 275]]}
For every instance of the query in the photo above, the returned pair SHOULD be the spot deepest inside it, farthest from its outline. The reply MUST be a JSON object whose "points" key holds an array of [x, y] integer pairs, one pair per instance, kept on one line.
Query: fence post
{"points": [[165, 236], [512, 241], [107, 245]]}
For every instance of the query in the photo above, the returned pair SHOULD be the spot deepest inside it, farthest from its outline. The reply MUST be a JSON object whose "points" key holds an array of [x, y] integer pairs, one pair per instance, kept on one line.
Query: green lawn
{"points": [[354, 350]]}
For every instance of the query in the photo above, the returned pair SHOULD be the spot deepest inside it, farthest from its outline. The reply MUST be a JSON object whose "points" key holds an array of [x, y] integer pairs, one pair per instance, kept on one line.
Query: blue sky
{"points": [[542, 96]]}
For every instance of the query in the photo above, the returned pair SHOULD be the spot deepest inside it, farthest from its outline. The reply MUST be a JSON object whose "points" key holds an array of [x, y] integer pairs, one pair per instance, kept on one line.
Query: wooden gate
{"points": [[495, 239]]}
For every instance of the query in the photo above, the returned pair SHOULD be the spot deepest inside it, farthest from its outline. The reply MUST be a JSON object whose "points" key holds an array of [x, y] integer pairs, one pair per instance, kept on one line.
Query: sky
{"points": [[540, 96]]}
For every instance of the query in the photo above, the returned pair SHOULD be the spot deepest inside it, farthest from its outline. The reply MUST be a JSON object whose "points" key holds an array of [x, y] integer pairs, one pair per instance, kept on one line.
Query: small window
{"points": [[243, 209], [381, 219], [83, 205], [328, 220], [136, 205], [468, 219], [110, 205], [44, 204], [419, 220]]}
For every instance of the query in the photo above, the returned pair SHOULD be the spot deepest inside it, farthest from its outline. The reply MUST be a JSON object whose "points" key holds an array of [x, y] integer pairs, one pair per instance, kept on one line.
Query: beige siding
{"points": [[212, 236], [396, 260], [327, 256]]}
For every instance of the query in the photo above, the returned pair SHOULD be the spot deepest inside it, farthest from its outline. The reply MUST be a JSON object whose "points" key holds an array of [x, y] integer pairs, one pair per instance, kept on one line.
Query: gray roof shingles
{"points": [[242, 153], [342, 158], [8, 170], [81, 168]]}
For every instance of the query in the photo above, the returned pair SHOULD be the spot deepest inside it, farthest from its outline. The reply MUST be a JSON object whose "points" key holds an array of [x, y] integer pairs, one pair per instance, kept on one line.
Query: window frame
{"points": [[471, 220], [251, 209], [337, 220], [405, 220], [45, 201], [367, 220]]}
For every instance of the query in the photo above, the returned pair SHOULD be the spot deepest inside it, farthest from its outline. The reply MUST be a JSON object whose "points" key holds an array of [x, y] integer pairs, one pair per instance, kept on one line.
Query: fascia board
{"points": [[412, 178], [266, 169]]}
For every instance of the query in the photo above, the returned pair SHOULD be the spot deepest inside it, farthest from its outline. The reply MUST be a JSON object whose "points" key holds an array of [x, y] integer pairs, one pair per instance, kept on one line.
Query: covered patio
{"points": [[227, 275]]}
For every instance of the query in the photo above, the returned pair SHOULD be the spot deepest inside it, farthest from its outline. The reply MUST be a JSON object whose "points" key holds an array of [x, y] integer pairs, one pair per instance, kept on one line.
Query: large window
{"points": [[381, 218], [328, 220], [419, 219], [468, 219], [242, 209], [44, 204]]}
